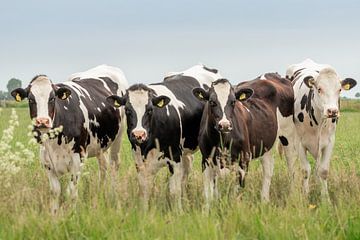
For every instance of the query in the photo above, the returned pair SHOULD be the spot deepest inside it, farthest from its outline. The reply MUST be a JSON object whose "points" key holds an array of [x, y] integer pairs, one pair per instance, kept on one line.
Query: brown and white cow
{"points": [[317, 89], [90, 125], [241, 121]]}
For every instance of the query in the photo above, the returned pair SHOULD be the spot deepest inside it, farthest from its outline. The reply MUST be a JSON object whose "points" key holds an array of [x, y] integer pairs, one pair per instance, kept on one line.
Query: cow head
{"points": [[326, 89], [139, 102], [42, 95], [222, 99]]}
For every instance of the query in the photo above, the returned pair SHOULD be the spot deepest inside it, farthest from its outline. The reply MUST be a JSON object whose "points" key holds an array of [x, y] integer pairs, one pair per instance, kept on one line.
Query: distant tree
{"points": [[3, 95], [357, 95], [13, 84]]}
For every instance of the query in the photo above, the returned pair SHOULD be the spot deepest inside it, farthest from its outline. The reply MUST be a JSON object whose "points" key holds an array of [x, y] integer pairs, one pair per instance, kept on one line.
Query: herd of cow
{"points": [[189, 110]]}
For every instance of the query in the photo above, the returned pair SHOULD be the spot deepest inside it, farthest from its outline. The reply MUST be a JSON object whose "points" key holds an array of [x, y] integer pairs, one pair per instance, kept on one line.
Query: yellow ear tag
{"points": [[347, 86], [242, 96], [161, 103], [116, 103], [64, 96], [17, 97], [201, 96]]}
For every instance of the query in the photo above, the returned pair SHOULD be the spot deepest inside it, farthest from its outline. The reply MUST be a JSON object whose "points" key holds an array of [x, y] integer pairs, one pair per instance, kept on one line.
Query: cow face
{"points": [[222, 99], [326, 88], [139, 102], [42, 95]]}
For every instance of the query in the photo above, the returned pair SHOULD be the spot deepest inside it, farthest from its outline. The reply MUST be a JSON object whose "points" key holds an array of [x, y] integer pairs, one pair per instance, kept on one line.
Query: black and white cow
{"points": [[90, 125], [240, 124], [163, 124], [317, 89]]}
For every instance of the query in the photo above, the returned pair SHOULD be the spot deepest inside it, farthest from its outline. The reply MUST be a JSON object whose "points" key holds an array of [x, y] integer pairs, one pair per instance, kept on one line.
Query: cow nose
{"points": [[225, 126], [139, 135], [42, 122], [332, 112]]}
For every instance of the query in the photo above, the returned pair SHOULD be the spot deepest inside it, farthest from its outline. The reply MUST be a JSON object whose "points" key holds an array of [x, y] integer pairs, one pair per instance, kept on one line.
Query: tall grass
{"points": [[114, 212]]}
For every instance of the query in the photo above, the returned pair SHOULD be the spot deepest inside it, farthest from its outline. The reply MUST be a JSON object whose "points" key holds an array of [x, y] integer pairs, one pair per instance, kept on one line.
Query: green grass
{"points": [[114, 212]]}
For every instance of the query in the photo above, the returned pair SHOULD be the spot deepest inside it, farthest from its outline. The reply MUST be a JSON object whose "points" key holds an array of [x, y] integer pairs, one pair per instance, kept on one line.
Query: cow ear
{"points": [[160, 101], [201, 94], [244, 94], [309, 81], [19, 94], [116, 101], [348, 83], [63, 93]]}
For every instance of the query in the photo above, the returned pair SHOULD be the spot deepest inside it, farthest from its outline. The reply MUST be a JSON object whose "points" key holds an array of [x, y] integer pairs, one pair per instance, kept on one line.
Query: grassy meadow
{"points": [[114, 212]]}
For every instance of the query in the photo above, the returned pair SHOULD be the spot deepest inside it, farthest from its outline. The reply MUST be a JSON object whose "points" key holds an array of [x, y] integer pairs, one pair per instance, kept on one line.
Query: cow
{"points": [[240, 124], [163, 121], [88, 124], [317, 89]]}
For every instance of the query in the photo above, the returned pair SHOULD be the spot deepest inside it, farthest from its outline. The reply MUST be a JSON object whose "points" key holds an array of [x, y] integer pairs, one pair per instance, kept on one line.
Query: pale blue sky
{"points": [[146, 39]]}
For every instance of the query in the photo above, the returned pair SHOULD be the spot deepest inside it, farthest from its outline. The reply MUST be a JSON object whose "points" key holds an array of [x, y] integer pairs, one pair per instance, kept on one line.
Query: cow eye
{"points": [[233, 103], [31, 100], [319, 90], [51, 100], [212, 103]]}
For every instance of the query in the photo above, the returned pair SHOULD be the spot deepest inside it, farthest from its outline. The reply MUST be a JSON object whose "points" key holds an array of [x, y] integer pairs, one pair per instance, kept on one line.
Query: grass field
{"points": [[114, 212]]}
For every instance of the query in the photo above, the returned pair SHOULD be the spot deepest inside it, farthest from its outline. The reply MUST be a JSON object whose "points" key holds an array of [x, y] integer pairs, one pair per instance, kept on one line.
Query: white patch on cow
{"points": [[114, 73], [245, 107], [41, 89], [139, 99], [95, 122], [263, 77], [83, 108], [65, 108], [103, 104], [98, 109], [222, 91], [198, 72]]}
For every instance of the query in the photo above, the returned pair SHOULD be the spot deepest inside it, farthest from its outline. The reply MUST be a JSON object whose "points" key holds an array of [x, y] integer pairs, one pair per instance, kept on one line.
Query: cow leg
{"points": [[175, 183], [147, 169], [55, 188], [102, 165], [322, 168], [267, 162], [115, 150], [210, 182], [288, 144], [306, 168], [187, 160], [75, 171], [290, 155]]}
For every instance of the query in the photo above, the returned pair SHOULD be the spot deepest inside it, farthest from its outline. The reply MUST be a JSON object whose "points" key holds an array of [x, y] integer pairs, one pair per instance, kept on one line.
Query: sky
{"points": [[149, 38]]}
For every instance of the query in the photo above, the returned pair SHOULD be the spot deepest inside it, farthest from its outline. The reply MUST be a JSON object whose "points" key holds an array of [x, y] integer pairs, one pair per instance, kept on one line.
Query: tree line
{"points": [[11, 85]]}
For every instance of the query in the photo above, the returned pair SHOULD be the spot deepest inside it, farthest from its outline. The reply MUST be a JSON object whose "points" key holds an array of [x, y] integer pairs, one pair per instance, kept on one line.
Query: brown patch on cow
{"points": [[275, 90]]}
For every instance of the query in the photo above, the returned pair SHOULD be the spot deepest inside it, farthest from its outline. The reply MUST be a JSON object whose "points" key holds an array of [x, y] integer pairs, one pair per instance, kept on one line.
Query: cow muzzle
{"points": [[332, 113], [224, 126], [139, 135], [42, 123]]}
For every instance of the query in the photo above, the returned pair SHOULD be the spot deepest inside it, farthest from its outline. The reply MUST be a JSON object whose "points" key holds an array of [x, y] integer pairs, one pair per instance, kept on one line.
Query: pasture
{"points": [[113, 211]]}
